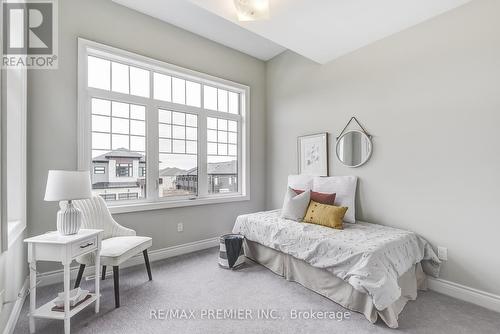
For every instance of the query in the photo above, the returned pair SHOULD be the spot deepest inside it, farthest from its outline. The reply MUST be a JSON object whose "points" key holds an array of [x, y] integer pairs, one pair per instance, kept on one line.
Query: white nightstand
{"points": [[58, 248]]}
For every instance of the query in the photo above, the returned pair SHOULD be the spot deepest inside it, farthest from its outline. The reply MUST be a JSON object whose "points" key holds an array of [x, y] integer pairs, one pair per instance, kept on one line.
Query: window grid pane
{"points": [[123, 129], [139, 82], [120, 78], [118, 150], [222, 152], [193, 94], [178, 159], [234, 103], [137, 112], [175, 136], [178, 91], [210, 97], [220, 140], [99, 73], [118, 126], [162, 87], [222, 101]]}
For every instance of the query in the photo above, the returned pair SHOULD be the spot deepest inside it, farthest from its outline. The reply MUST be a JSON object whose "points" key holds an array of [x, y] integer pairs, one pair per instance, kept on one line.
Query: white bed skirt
{"points": [[326, 284]]}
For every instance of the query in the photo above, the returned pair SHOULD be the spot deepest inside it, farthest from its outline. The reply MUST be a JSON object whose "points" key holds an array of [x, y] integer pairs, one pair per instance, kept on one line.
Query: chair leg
{"points": [[148, 267], [103, 273], [80, 274], [117, 285]]}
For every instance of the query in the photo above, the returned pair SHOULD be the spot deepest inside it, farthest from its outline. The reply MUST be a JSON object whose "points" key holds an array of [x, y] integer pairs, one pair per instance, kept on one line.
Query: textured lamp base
{"points": [[69, 220]]}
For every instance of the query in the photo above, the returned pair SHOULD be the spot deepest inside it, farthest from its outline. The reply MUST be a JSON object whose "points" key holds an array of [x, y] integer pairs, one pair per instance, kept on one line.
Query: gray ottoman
{"points": [[231, 251]]}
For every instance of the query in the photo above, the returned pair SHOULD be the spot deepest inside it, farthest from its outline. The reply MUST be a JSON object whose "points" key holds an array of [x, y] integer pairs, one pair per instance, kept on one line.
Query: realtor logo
{"points": [[30, 34]]}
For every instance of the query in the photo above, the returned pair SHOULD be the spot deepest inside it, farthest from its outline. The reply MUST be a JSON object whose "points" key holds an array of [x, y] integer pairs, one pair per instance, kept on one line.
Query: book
{"points": [[61, 308]]}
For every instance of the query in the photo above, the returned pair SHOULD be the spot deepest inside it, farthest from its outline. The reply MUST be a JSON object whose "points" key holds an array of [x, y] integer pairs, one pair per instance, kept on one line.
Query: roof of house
{"points": [[119, 153], [217, 168], [172, 171], [226, 167]]}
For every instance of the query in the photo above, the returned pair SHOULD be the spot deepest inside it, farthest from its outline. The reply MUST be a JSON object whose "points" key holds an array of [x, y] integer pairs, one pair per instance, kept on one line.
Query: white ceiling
{"points": [[321, 30], [191, 17]]}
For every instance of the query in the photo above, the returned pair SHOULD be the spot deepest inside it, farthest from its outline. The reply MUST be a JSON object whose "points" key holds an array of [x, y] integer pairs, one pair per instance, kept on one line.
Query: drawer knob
{"points": [[87, 245]]}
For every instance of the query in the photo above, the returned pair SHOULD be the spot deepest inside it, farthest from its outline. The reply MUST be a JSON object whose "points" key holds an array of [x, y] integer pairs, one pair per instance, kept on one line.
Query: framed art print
{"points": [[313, 154]]}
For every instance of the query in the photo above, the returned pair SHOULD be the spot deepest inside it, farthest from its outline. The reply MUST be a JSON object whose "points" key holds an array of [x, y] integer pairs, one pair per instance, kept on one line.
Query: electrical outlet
{"points": [[443, 253], [180, 227]]}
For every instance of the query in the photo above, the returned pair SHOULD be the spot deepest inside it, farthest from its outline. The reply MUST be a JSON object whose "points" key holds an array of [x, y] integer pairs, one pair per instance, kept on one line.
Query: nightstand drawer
{"points": [[84, 246]]}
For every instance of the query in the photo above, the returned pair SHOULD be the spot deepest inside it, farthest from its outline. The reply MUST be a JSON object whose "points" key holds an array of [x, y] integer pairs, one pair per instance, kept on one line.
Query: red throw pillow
{"points": [[323, 198]]}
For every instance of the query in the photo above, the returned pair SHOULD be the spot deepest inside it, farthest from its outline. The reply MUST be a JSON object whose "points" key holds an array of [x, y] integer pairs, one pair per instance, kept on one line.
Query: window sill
{"points": [[147, 206], [15, 230]]}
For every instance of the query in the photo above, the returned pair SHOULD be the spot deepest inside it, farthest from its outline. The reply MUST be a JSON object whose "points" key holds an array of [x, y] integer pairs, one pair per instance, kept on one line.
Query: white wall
{"points": [[431, 97], [52, 118]]}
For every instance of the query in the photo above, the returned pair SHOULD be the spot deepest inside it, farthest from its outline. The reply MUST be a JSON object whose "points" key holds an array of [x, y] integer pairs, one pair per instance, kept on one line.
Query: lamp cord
{"points": [[24, 294]]}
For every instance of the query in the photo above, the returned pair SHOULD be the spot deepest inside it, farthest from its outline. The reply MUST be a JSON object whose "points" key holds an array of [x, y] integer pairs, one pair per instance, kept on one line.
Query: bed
{"points": [[367, 268]]}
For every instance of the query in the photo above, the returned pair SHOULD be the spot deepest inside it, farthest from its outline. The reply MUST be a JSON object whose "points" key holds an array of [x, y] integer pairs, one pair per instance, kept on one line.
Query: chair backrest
{"points": [[95, 215]]}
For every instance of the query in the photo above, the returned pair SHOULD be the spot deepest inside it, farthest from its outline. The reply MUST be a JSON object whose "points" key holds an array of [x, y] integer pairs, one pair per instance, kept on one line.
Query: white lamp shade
{"points": [[65, 185]]}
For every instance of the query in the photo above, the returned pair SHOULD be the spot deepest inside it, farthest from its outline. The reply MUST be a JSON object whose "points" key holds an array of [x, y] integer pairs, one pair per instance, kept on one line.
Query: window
{"points": [[222, 152], [178, 148], [157, 135], [13, 152], [124, 170], [99, 170], [117, 126]]}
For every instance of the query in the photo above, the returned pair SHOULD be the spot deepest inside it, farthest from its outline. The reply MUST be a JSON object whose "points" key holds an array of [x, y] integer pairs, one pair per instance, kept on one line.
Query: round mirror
{"points": [[354, 148]]}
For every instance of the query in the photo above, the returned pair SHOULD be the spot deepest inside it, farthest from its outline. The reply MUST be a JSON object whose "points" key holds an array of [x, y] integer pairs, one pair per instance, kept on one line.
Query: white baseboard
{"points": [[465, 293], [16, 310], [56, 276]]}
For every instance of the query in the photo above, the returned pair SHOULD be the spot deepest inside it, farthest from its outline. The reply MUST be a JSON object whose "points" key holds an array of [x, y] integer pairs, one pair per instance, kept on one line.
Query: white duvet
{"points": [[369, 257]]}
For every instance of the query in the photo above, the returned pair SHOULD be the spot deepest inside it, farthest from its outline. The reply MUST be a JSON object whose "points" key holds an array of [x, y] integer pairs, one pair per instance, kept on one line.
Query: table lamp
{"points": [[68, 186]]}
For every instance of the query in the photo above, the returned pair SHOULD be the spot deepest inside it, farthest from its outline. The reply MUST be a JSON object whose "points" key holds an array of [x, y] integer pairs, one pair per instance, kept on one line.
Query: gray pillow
{"points": [[295, 206]]}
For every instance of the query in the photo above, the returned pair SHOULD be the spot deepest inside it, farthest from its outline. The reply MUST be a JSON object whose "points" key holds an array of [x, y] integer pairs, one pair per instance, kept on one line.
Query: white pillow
{"points": [[300, 182], [344, 187], [295, 206]]}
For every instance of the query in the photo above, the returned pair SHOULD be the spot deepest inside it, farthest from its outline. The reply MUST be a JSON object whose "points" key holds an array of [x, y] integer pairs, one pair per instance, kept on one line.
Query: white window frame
{"points": [[12, 229], [3, 156], [17, 225], [153, 201]]}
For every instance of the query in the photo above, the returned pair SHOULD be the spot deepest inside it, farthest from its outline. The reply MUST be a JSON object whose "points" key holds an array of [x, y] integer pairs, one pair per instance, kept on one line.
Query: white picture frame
{"points": [[312, 154]]}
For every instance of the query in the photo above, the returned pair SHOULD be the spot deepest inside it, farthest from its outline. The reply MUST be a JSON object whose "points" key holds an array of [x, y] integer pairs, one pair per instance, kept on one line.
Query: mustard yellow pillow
{"points": [[326, 215]]}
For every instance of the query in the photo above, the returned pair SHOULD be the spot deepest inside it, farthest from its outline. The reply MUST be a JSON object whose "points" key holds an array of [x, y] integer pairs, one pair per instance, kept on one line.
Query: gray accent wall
{"points": [[52, 115], [430, 96]]}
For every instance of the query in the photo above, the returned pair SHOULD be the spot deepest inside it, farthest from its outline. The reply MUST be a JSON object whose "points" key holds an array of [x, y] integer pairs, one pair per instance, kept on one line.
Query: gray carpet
{"points": [[195, 282]]}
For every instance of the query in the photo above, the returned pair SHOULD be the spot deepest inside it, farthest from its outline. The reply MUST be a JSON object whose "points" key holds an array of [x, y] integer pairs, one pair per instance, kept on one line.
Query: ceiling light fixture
{"points": [[252, 10]]}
